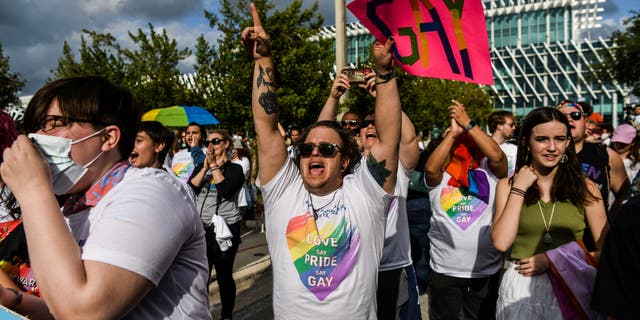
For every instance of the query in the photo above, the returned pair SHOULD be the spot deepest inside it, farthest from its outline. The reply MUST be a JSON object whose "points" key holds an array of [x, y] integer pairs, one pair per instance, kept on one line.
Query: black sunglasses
{"points": [[366, 123], [214, 141], [352, 123], [576, 115], [325, 149]]}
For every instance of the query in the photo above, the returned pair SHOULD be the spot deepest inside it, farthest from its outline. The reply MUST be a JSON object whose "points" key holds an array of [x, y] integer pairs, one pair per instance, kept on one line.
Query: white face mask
{"points": [[604, 136], [65, 172]]}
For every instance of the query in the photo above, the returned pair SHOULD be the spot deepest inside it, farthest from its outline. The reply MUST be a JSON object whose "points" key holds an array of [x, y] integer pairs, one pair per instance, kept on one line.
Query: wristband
{"points": [[385, 77], [517, 191], [470, 126], [18, 297]]}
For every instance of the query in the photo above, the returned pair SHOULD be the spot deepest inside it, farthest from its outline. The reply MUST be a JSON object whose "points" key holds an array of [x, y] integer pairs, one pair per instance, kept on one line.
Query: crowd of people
{"points": [[105, 216]]}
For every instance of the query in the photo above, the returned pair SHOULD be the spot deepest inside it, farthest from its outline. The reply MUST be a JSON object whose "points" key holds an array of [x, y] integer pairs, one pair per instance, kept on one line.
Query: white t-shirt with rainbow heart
{"points": [[460, 232], [327, 266]]}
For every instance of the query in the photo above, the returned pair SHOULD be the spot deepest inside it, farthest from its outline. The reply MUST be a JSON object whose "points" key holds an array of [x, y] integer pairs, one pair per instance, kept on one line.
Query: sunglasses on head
{"points": [[366, 123], [351, 123], [576, 115], [325, 149], [214, 141]]}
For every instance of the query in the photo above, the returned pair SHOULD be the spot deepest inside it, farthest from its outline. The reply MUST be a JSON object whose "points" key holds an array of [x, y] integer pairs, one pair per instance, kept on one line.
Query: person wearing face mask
{"points": [[127, 242], [217, 182]]}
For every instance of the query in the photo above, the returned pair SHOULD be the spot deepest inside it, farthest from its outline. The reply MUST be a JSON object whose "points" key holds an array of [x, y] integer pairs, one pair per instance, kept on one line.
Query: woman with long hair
{"points": [[217, 183], [546, 204]]}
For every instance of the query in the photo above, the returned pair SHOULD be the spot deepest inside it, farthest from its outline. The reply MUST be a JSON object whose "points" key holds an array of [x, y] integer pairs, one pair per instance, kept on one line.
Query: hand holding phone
{"points": [[356, 76]]}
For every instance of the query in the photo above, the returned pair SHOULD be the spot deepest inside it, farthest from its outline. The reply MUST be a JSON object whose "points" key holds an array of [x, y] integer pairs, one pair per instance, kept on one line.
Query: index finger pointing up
{"points": [[256, 17]]}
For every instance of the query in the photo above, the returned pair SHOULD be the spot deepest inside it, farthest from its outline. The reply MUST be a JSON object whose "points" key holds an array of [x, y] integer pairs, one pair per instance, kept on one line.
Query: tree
{"points": [[425, 100], [10, 83], [150, 71], [102, 57], [622, 63], [153, 70], [302, 66]]}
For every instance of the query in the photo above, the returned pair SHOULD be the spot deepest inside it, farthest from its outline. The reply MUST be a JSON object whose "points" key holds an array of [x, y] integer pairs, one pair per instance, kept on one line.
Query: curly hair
{"points": [[569, 182], [349, 147]]}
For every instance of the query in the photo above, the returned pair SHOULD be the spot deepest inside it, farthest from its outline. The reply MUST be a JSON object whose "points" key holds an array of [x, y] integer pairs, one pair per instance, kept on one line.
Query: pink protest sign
{"points": [[434, 38]]}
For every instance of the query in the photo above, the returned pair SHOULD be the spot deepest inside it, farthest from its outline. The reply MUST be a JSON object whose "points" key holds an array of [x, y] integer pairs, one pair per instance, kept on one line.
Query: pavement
{"points": [[254, 280], [251, 270]]}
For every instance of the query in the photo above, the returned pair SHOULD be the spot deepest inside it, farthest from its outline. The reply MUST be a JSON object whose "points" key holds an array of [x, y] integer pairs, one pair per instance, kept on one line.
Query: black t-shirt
{"points": [[595, 165], [617, 287]]}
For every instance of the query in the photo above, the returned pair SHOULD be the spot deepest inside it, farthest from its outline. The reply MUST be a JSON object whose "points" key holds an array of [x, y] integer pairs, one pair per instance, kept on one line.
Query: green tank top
{"points": [[567, 225]]}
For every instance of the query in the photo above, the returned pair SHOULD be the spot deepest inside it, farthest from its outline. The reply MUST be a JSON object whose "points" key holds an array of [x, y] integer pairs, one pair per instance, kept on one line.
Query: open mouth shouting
{"points": [[316, 168]]}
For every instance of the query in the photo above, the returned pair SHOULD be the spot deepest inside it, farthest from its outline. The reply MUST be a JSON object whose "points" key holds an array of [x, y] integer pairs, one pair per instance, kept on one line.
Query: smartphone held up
{"points": [[356, 76]]}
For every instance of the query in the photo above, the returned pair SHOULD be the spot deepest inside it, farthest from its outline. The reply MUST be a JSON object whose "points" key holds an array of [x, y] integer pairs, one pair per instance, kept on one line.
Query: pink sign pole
{"points": [[434, 38]]}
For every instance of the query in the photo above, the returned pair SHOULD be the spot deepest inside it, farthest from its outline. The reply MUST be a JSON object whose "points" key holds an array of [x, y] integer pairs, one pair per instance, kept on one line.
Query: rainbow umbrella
{"points": [[180, 116]]}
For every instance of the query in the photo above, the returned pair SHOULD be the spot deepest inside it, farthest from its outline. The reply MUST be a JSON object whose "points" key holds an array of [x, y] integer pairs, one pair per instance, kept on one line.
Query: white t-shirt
{"points": [[246, 166], [148, 224], [631, 171], [182, 164], [511, 151], [326, 267], [460, 232], [397, 244]]}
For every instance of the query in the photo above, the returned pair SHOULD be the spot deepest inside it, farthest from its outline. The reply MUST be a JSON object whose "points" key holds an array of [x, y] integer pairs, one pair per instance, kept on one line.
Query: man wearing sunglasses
{"points": [[325, 220], [397, 283], [502, 126], [602, 165]]}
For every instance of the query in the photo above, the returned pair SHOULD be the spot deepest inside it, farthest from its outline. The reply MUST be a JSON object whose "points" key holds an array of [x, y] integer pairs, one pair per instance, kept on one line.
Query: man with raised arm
{"points": [[397, 293], [325, 220]]}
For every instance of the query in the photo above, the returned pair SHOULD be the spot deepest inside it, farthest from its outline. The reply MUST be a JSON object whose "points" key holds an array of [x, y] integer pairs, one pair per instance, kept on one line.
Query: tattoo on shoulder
{"points": [[378, 170]]}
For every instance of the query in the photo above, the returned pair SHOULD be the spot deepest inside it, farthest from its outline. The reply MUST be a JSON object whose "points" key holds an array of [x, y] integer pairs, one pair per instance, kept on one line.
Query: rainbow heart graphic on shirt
{"points": [[323, 259], [183, 169], [465, 205]]}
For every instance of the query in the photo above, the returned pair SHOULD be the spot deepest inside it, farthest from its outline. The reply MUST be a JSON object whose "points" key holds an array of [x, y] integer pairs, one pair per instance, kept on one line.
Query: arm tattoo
{"points": [[378, 170], [268, 102], [266, 77], [267, 99]]}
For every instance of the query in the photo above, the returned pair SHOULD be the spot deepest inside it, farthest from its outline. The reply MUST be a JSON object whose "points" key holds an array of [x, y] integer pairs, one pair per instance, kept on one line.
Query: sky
{"points": [[32, 32]]}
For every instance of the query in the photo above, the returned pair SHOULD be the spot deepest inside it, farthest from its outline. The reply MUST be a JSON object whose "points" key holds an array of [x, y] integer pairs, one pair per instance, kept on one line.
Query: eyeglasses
{"points": [[50, 122], [214, 141], [366, 123], [511, 124], [576, 115], [350, 123], [325, 149]]}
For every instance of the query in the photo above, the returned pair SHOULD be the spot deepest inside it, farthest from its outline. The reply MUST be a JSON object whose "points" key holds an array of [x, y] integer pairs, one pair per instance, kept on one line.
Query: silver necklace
{"points": [[547, 236], [315, 211]]}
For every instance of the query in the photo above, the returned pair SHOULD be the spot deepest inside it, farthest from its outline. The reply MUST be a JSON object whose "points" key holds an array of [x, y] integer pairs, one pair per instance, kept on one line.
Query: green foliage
{"points": [[425, 100], [302, 66], [622, 64], [150, 71], [10, 83]]}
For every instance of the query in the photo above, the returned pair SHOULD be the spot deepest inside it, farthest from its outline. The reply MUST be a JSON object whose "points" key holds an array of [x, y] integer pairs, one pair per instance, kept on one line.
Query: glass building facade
{"points": [[542, 53]]}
